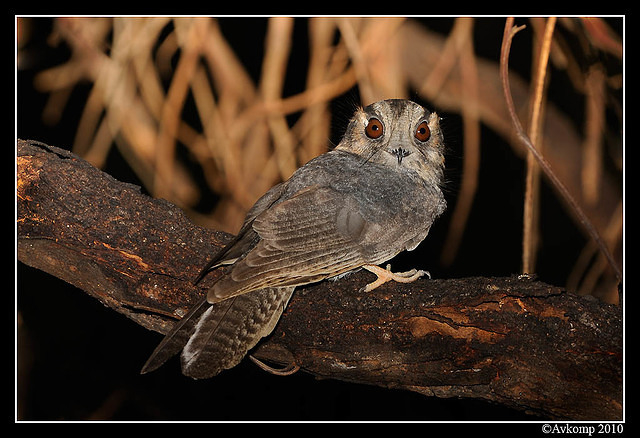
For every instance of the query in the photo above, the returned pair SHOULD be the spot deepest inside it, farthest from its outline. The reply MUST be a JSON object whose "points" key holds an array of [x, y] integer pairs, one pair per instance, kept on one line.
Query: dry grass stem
{"points": [[347, 28], [274, 67], [531, 205], [509, 32], [458, 36], [460, 42], [585, 275], [594, 133]]}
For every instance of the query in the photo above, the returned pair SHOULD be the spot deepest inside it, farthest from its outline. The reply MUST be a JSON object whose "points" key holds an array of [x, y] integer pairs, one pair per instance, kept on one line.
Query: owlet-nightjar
{"points": [[371, 197]]}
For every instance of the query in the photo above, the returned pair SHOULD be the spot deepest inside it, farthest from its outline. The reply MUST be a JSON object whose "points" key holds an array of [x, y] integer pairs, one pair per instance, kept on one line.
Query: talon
{"points": [[286, 371], [385, 275]]}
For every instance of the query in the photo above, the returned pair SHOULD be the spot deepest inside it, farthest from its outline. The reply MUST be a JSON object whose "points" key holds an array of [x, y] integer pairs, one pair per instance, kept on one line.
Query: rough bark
{"points": [[517, 342]]}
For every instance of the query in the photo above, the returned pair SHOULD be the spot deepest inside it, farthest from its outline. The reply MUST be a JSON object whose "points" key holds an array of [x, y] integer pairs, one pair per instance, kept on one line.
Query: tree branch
{"points": [[517, 342]]}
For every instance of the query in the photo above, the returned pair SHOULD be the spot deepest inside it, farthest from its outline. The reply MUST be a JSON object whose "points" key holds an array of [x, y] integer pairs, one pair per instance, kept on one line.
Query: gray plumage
{"points": [[376, 194]]}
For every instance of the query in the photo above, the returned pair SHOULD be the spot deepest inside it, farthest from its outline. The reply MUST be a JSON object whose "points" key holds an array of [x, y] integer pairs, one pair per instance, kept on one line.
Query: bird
{"points": [[372, 196]]}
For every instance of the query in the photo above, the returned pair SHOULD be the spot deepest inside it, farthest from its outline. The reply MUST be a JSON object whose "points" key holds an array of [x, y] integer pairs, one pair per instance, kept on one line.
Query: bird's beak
{"points": [[400, 154]]}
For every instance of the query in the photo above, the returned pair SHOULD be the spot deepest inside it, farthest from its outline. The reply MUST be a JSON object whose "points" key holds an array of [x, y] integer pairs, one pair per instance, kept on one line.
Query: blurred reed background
{"points": [[210, 113]]}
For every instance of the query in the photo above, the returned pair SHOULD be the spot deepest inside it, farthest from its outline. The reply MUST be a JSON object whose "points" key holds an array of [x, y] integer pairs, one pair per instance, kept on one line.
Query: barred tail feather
{"points": [[227, 330], [176, 339], [215, 337]]}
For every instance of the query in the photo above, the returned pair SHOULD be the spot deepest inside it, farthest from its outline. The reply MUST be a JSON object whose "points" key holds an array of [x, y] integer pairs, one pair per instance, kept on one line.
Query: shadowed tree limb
{"points": [[517, 342]]}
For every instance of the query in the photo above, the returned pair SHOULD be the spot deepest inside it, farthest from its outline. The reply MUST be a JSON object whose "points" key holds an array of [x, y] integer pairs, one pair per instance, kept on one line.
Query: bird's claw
{"points": [[385, 275]]}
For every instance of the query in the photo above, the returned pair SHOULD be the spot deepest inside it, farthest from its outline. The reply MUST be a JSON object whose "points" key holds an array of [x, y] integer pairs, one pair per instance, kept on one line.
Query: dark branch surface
{"points": [[517, 342]]}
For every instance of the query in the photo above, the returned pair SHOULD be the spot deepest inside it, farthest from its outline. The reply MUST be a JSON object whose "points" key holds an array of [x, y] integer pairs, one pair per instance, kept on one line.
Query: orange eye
{"points": [[374, 128], [423, 132]]}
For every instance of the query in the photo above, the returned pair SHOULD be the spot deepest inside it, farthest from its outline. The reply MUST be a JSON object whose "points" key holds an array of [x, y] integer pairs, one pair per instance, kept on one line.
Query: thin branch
{"points": [[509, 32], [594, 128], [348, 32], [532, 178], [277, 50], [462, 33]]}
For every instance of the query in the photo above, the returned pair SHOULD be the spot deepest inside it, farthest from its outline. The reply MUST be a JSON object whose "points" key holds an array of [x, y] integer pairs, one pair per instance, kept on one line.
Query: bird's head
{"points": [[400, 134]]}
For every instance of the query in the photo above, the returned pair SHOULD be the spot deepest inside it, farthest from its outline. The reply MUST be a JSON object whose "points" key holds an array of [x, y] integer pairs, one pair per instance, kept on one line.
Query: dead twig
{"points": [[529, 233], [509, 32]]}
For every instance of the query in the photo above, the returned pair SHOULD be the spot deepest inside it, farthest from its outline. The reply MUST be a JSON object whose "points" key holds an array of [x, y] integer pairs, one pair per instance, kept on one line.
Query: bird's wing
{"points": [[315, 234], [246, 238]]}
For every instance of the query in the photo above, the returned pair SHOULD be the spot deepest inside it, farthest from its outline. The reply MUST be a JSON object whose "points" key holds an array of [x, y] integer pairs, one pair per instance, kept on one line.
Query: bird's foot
{"points": [[286, 371], [385, 275]]}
